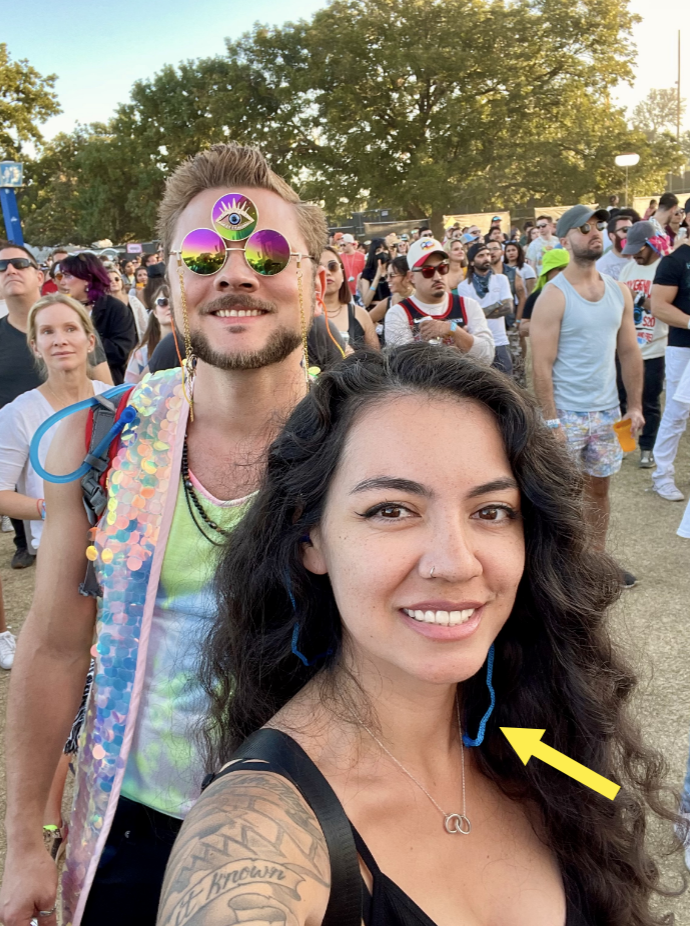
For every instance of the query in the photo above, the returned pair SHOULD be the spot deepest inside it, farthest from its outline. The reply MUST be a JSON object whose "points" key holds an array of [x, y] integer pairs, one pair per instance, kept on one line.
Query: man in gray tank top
{"points": [[579, 322]]}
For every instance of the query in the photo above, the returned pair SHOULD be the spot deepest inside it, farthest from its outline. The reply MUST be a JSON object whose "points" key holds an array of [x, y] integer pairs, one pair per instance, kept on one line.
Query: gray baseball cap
{"points": [[577, 216], [638, 235]]}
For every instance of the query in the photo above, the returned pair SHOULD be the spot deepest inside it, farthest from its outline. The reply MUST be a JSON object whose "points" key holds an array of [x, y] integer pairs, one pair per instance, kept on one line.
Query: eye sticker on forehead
{"points": [[234, 216]]}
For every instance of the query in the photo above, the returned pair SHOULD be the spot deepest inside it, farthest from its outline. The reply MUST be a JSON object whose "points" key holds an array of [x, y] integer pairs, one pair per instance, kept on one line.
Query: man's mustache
{"points": [[238, 301]]}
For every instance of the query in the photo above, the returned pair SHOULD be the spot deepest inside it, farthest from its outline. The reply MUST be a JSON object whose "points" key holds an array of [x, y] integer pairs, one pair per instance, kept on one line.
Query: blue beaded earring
{"points": [[295, 633], [467, 740]]}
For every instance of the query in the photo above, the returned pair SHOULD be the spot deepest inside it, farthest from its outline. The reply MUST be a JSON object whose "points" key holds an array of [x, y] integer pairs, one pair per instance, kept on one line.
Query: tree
{"points": [[26, 100], [685, 145], [425, 106], [658, 112]]}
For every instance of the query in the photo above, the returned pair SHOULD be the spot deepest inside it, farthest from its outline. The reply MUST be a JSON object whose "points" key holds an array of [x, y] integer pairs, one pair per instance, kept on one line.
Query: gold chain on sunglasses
{"points": [[188, 368]]}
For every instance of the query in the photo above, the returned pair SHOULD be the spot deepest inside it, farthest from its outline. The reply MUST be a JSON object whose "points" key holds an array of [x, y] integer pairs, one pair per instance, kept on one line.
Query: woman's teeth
{"points": [[237, 313], [445, 618]]}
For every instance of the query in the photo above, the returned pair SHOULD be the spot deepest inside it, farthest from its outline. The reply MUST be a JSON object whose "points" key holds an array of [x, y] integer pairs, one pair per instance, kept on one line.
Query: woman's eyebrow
{"points": [[393, 483], [496, 485]]}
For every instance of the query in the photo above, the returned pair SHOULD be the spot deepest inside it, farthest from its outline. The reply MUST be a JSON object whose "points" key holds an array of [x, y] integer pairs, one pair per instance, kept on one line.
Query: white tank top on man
{"points": [[584, 372]]}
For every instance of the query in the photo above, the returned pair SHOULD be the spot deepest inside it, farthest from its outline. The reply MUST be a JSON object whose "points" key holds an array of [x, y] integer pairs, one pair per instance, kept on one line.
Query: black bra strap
{"points": [[288, 759]]}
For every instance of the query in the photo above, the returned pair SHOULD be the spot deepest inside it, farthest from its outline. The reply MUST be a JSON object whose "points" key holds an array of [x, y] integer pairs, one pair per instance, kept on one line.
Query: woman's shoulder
{"points": [[251, 846], [21, 417], [99, 387], [25, 403]]}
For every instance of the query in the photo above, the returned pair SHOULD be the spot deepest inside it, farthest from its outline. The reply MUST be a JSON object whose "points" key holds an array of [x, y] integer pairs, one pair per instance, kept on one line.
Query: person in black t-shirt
{"points": [[84, 278], [671, 304], [372, 283]]}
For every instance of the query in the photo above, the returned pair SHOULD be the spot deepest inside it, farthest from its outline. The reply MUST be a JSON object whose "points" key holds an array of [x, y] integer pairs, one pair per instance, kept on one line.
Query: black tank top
{"points": [[354, 329], [350, 900]]}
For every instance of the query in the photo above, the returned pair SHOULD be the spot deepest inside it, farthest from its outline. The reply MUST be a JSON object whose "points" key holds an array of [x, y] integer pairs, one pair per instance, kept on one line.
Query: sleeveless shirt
{"points": [[350, 900], [584, 371]]}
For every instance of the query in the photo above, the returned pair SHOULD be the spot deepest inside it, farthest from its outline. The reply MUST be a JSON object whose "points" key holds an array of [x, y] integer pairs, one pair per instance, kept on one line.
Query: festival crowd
{"points": [[314, 521]]}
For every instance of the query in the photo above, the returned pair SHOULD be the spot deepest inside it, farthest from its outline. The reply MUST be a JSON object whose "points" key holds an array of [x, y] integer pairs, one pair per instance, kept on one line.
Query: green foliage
{"points": [[425, 106], [26, 99], [658, 112]]}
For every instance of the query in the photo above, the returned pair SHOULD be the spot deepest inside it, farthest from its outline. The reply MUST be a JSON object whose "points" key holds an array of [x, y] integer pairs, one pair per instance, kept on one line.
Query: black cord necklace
{"points": [[196, 509]]}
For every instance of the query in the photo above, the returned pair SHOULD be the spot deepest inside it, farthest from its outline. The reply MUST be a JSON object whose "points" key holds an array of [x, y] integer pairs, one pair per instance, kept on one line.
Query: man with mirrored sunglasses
{"points": [[184, 470], [432, 313], [579, 322]]}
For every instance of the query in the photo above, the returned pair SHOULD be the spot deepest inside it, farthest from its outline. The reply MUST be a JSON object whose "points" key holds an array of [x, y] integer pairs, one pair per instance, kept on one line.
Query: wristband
{"points": [[453, 327], [553, 423], [41, 508]]}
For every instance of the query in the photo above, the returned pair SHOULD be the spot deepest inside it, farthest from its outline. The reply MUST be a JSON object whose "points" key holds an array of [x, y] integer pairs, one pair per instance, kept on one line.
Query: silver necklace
{"points": [[57, 397], [452, 822]]}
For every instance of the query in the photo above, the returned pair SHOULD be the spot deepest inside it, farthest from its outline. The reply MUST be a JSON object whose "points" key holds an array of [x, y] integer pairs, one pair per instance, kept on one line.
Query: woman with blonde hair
{"points": [[61, 335]]}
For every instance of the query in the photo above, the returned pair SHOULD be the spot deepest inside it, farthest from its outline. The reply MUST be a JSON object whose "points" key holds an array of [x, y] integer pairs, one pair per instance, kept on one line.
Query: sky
{"points": [[99, 49]]}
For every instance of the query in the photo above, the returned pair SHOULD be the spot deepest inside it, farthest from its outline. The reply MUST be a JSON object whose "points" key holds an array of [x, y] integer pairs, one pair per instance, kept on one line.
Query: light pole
{"points": [[626, 161]]}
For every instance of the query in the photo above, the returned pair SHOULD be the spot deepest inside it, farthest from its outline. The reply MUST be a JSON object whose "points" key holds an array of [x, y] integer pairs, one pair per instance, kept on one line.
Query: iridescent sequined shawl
{"points": [[128, 545]]}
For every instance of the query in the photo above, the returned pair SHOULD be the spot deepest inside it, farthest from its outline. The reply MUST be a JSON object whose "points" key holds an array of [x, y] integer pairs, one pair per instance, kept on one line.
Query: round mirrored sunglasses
{"points": [[266, 252], [588, 226]]}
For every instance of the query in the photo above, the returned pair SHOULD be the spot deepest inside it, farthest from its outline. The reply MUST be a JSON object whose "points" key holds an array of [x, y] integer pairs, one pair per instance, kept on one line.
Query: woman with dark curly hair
{"points": [[84, 278], [415, 557]]}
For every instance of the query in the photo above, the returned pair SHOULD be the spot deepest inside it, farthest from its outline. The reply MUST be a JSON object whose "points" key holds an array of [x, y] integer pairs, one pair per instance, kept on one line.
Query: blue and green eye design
{"points": [[234, 216]]}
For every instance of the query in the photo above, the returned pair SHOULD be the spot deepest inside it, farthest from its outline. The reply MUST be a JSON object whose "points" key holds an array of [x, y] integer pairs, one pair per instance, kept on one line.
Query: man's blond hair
{"points": [[234, 165]]}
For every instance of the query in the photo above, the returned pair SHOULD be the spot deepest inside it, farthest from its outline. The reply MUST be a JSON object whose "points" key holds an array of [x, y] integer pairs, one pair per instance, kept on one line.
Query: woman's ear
{"points": [[312, 554]]}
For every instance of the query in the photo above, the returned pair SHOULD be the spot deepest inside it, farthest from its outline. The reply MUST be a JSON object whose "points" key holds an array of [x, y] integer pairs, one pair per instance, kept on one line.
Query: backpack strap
{"points": [[101, 418], [274, 751]]}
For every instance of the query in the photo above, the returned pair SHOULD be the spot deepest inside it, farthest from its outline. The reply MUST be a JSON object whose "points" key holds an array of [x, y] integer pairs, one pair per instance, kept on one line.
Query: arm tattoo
{"points": [[249, 852]]}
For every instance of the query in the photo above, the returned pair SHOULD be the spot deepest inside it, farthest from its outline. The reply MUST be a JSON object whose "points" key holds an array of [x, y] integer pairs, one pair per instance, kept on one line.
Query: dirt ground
{"points": [[650, 622]]}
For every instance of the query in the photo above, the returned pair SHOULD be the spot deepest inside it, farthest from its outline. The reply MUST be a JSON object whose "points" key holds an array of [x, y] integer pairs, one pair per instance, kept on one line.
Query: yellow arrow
{"points": [[527, 743]]}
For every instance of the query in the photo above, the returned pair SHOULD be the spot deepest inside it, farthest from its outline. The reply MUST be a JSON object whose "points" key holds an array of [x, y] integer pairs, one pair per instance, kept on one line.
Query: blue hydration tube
{"points": [[128, 414]]}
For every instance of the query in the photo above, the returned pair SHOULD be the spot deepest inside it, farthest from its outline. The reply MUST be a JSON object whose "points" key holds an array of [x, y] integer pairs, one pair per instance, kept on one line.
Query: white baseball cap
{"points": [[423, 248], [348, 239]]}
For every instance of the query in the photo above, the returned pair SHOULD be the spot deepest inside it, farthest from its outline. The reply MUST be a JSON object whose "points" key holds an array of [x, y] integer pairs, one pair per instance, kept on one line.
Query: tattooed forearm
{"points": [[250, 852]]}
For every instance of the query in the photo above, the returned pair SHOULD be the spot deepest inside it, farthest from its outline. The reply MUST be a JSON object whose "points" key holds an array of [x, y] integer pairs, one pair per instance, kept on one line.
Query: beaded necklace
{"points": [[196, 509]]}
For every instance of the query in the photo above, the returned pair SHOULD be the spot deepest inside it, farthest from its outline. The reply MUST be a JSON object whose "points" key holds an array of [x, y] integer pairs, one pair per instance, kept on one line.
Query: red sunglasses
{"points": [[428, 272]]}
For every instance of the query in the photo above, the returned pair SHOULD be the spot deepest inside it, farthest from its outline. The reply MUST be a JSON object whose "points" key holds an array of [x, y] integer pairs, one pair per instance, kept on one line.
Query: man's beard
{"points": [[587, 255], [281, 342]]}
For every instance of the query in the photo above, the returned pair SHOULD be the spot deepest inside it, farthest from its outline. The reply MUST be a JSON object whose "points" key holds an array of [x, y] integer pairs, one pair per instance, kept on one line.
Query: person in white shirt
{"points": [[615, 259], [545, 241], [434, 314], [652, 334], [492, 292]]}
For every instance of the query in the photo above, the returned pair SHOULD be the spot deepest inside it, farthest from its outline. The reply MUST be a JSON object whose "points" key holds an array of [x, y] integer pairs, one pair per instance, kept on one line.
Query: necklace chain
{"points": [[193, 502], [453, 822], [57, 397]]}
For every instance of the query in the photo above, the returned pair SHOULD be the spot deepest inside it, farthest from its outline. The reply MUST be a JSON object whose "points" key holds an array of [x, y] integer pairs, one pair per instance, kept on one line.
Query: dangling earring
{"points": [[189, 363], [296, 630], [310, 373], [467, 740]]}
